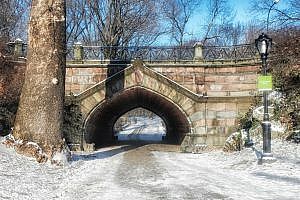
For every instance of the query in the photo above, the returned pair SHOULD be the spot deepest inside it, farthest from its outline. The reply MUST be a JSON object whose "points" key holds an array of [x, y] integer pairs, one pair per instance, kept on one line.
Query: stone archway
{"points": [[99, 124]]}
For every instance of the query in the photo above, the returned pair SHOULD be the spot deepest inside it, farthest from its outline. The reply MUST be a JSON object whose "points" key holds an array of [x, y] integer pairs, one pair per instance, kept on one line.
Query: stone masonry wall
{"points": [[211, 80]]}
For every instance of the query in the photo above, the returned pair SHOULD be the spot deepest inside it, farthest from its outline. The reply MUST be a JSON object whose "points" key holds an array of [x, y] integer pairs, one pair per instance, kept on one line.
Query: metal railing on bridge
{"points": [[150, 53]]}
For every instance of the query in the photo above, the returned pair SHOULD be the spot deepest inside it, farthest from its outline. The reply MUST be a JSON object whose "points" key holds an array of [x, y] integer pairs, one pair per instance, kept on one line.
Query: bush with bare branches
{"points": [[285, 67]]}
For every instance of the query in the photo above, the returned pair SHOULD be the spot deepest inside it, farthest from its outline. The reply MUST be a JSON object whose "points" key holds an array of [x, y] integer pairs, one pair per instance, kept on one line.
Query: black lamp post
{"points": [[263, 43]]}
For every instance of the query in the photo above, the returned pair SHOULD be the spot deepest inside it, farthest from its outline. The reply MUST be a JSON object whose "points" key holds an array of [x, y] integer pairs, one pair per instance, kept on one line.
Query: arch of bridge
{"points": [[99, 124], [136, 86]]}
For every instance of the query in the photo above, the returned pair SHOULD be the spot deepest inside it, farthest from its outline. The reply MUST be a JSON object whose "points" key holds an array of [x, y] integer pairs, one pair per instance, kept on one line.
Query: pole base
{"points": [[267, 158]]}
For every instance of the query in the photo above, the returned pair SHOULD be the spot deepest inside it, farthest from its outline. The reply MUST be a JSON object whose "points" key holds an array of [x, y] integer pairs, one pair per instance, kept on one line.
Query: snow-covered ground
{"points": [[143, 128], [154, 171]]}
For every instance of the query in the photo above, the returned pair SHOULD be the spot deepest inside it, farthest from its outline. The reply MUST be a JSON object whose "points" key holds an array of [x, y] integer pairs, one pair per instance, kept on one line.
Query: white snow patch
{"points": [[61, 158], [277, 127]]}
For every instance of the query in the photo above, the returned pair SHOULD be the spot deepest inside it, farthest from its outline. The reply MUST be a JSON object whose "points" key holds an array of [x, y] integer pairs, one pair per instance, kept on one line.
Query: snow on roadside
{"points": [[216, 174], [238, 175]]}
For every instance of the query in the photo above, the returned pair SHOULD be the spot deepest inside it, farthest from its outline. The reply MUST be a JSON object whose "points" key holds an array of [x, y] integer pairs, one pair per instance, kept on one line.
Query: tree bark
{"points": [[40, 113]]}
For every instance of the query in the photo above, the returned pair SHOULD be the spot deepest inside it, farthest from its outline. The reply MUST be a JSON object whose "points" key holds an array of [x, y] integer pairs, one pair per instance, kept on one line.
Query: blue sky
{"points": [[198, 19], [240, 7]]}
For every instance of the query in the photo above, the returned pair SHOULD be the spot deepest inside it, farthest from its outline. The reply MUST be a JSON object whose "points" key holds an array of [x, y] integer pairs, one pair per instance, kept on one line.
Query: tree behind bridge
{"points": [[40, 113]]}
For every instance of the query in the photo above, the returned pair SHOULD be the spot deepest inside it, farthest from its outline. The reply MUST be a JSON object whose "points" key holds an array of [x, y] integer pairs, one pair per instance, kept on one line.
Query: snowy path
{"points": [[142, 128], [153, 172]]}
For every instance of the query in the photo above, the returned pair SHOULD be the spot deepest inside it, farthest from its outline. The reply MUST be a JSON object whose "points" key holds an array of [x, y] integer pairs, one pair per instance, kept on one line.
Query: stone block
{"points": [[173, 94], [215, 122], [210, 70], [241, 86], [217, 93], [191, 87], [249, 78], [84, 87], [178, 78], [211, 114], [187, 104], [157, 69], [226, 70], [201, 130], [216, 130], [170, 75], [69, 72], [197, 116], [89, 103], [75, 88], [232, 79], [85, 71], [178, 98], [215, 140], [97, 78], [199, 79], [244, 105], [199, 123], [230, 106], [248, 69], [216, 106], [240, 93], [226, 114], [216, 87], [231, 122], [198, 70], [98, 96], [84, 111], [200, 89], [210, 78], [180, 70], [188, 78], [68, 79]]}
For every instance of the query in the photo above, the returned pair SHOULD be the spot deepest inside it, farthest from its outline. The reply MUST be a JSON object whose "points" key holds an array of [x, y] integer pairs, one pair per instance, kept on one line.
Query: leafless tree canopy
{"points": [[113, 22], [13, 18], [177, 14], [279, 17], [219, 27]]}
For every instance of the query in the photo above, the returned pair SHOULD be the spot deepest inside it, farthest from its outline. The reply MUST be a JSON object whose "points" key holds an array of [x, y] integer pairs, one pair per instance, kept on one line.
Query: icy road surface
{"points": [[153, 172]]}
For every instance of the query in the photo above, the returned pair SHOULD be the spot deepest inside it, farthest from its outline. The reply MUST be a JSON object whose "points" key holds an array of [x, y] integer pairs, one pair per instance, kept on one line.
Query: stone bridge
{"points": [[200, 97], [200, 103]]}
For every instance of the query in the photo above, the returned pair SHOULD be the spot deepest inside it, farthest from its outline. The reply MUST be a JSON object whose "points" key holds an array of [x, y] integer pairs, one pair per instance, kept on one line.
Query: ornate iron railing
{"points": [[152, 53], [235, 52], [148, 53], [168, 53]]}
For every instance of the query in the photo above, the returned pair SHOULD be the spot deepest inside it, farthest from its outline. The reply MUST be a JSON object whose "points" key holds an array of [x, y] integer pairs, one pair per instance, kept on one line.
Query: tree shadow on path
{"points": [[98, 154]]}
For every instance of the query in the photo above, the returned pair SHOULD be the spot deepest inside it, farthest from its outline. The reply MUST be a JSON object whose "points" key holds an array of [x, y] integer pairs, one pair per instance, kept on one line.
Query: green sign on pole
{"points": [[264, 83]]}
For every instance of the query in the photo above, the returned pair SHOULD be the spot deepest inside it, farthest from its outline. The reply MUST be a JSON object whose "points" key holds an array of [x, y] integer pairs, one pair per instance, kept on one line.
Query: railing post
{"points": [[18, 46], [78, 51], [198, 51]]}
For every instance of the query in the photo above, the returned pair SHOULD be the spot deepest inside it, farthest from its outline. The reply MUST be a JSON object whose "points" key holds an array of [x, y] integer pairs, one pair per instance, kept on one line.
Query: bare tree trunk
{"points": [[40, 114]]}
